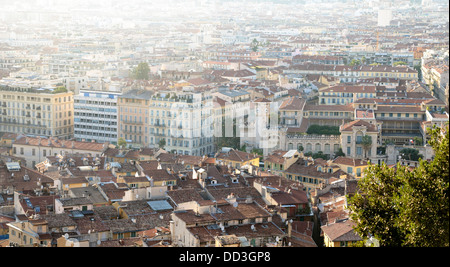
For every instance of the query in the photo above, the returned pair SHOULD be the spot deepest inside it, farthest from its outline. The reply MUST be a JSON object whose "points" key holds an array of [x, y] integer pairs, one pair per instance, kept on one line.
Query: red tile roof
{"points": [[58, 143], [349, 126]]}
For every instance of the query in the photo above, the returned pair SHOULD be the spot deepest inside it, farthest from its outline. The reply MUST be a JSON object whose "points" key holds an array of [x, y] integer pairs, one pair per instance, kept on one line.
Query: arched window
{"points": [[327, 148], [318, 147], [290, 146]]}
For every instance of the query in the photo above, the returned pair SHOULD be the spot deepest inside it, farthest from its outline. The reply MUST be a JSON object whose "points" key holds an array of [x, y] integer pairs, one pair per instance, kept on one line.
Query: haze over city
{"points": [[223, 123]]}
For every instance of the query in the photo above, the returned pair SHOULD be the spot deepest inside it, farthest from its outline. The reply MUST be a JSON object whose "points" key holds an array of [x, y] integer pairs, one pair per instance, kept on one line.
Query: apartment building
{"points": [[435, 74], [331, 115], [133, 114], [234, 55], [401, 118], [95, 116], [318, 59], [314, 174], [345, 94], [352, 139], [35, 149], [31, 233], [347, 73], [40, 112], [182, 122], [383, 58], [291, 112]]}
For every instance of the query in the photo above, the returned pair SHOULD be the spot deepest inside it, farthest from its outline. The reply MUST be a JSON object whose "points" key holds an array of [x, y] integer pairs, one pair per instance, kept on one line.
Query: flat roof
{"points": [[13, 166], [159, 205]]}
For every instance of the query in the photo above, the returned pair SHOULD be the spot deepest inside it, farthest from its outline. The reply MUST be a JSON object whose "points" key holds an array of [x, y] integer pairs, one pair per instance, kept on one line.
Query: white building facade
{"points": [[96, 116]]}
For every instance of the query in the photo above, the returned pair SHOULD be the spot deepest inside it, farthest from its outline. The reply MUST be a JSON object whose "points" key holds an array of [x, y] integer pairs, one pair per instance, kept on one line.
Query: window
{"points": [[349, 170], [359, 139], [359, 151]]}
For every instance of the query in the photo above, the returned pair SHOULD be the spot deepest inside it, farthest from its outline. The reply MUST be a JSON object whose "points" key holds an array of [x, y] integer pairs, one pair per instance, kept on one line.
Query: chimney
{"points": [[289, 228]]}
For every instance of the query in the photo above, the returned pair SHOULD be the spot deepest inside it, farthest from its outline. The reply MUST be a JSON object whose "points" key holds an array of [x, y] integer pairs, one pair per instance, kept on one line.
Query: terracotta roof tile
{"points": [[349, 126]]}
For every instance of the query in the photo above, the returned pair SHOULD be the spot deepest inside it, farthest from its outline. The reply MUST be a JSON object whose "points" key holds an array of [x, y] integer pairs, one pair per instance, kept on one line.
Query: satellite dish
{"points": [[99, 242], [66, 236], [235, 204]]}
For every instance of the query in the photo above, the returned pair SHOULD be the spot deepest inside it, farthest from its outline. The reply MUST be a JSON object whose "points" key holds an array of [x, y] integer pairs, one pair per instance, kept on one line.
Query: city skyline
{"points": [[208, 123]]}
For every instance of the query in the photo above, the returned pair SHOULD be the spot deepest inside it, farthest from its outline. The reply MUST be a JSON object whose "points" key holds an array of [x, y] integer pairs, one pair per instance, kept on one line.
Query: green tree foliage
{"points": [[121, 142], [366, 143], [355, 62], [418, 141], [339, 153], [60, 89], [418, 68], [323, 129], [254, 45], [399, 63], [141, 72], [410, 154], [257, 151], [317, 155], [402, 207], [162, 143], [321, 155], [229, 141]]}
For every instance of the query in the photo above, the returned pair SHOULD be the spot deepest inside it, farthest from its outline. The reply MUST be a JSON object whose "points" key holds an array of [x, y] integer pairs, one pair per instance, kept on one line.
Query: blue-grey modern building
{"points": [[96, 116]]}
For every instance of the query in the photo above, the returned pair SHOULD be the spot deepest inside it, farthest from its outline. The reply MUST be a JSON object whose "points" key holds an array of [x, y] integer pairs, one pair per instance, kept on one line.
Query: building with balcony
{"points": [[182, 122], [96, 116], [291, 112], [346, 73], [353, 140], [345, 94], [133, 113], [37, 111]]}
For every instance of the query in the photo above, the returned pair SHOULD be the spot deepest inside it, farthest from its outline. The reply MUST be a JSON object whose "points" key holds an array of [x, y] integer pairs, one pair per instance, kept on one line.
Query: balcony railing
{"points": [[133, 122]]}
